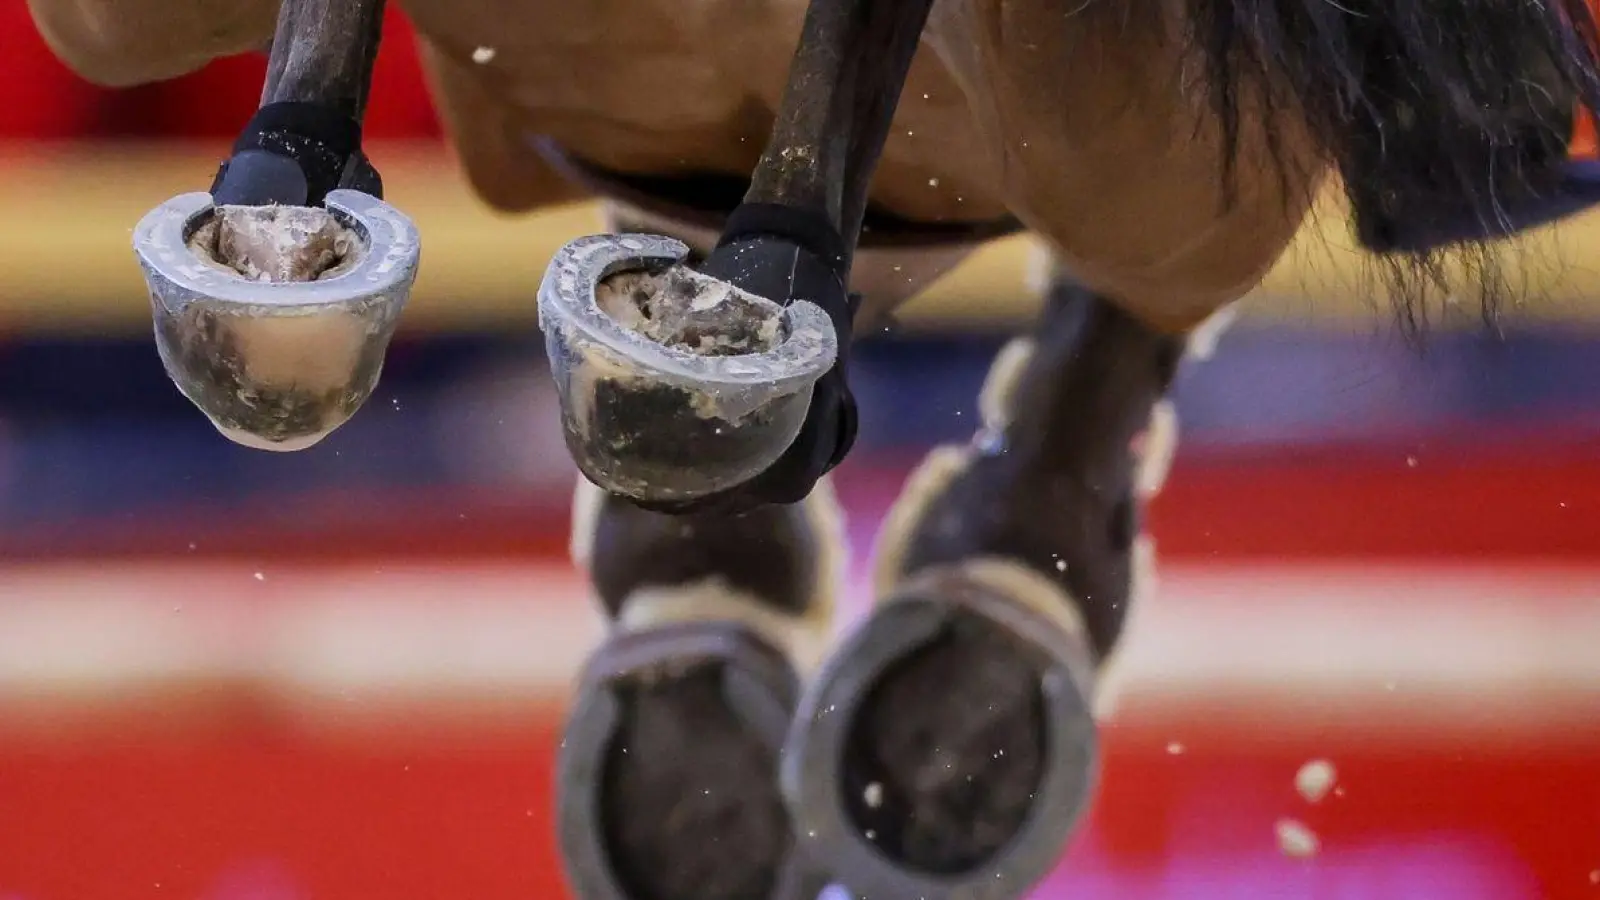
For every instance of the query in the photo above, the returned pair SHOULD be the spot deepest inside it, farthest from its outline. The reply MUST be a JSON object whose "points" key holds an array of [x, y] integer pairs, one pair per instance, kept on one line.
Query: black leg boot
{"points": [[948, 747]]}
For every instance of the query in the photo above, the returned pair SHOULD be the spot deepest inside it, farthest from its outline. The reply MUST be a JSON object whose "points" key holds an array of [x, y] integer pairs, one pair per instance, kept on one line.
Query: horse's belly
{"points": [[659, 86]]}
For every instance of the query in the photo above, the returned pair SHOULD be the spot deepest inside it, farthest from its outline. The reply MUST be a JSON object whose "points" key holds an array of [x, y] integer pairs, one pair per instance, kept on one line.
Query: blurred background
{"points": [[229, 675]]}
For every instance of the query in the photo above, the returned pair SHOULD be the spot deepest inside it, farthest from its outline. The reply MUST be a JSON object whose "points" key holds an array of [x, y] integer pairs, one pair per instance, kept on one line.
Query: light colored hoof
{"points": [[674, 385], [277, 364]]}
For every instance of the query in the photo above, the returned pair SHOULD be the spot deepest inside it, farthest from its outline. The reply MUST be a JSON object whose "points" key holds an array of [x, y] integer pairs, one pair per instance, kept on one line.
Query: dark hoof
{"points": [[274, 321], [667, 777], [947, 750], [674, 385]]}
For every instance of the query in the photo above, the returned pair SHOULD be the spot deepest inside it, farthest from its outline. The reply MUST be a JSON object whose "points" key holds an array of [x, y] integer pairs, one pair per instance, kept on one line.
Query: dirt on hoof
{"points": [[276, 243], [682, 308], [690, 803], [945, 754]]}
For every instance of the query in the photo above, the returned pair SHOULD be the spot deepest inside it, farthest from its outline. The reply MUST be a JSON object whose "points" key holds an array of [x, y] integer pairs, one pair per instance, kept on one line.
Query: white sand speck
{"points": [[1295, 840], [1315, 779], [873, 795]]}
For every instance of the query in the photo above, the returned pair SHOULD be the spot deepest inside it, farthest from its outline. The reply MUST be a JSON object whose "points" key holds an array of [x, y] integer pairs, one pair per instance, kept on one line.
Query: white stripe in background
{"points": [[1479, 649]]}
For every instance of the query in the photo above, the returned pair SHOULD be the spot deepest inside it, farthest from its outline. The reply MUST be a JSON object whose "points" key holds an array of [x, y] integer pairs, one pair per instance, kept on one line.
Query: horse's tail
{"points": [[1441, 115]]}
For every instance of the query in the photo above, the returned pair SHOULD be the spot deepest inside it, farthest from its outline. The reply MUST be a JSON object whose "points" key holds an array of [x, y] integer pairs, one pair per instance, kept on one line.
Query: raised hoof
{"points": [[948, 748], [667, 776], [674, 385], [274, 321]]}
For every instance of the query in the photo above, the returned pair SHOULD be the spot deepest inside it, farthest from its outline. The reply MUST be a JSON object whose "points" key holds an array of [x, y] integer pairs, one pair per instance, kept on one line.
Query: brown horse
{"points": [[1167, 150]]}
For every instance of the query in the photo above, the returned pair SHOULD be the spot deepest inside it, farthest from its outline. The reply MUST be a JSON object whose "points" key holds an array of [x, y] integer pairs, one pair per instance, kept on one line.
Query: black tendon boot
{"points": [[668, 768], [948, 747]]}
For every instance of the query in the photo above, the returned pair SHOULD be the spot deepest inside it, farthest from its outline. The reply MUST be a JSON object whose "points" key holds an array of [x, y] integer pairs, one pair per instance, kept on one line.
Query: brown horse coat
{"points": [[1092, 132]]}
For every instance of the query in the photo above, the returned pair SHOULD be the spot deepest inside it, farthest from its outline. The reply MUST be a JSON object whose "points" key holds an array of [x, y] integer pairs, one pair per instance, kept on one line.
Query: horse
{"points": [[779, 176]]}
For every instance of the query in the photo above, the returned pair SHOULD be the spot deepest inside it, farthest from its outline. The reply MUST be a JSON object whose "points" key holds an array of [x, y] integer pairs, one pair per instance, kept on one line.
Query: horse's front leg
{"points": [[275, 294], [705, 405], [723, 385]]}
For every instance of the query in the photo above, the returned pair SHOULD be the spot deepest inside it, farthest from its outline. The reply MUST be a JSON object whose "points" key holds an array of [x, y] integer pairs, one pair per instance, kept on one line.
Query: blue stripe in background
{"points": [[94, 429]]}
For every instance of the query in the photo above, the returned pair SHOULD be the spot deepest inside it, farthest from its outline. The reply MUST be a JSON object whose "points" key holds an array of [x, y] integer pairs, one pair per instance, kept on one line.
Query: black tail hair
{"points": [[1432, 111]]}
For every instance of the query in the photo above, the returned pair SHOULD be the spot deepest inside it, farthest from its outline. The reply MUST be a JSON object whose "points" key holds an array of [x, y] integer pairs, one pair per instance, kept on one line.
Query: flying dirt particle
{"points": [[873, 795], [483, 55], [1315, 779], [1175, 748], [933, 182], [1411, 462], [261, 576], [1295, 840]]}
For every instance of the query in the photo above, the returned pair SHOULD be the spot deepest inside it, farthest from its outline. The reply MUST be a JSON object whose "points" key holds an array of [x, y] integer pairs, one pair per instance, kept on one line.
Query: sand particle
{"points": [[1295, 840], [1315, 779]]}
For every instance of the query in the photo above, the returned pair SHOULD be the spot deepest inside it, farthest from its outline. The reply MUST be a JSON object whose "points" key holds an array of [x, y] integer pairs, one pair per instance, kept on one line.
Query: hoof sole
{"points": [[949, 705], [667, 773]]}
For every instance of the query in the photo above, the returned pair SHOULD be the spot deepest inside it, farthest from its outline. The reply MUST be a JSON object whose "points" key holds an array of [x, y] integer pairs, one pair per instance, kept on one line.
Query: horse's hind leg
{"points": [[668, 772], [948, 747]]}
